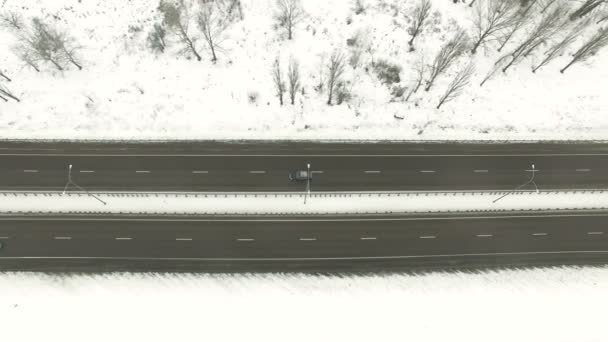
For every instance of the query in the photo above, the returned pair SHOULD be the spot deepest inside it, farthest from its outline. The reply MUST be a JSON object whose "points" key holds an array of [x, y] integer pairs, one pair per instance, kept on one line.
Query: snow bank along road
{"points": [[258, 166], [305, 244]]}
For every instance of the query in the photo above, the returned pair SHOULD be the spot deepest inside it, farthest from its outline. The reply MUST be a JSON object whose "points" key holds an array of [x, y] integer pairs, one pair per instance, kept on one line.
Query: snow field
{"points": [[293, 203], [125, 91]]}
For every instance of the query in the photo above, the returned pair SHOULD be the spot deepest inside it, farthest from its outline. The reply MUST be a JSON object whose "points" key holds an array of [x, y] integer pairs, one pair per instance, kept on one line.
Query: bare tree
{"points": [[156, 38], [421, 14], [213, 25], [448, 54], [457, 85], [586, 8], [293, 74], [12, 20], [277, 79], [545, 4], [550, 24], [4, 76], [502, 61], [289, 14], [42, 44], [419, 70], [27, 55], [492, 17], [558, 48], [176, 17], [589, 48], [5, 92], [522, 17], [336, 69]]}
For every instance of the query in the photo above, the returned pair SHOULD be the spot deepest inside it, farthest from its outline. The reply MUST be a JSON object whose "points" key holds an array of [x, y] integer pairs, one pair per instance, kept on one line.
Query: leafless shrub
{"points": [[156, 38], [419, 71], [289, 14], [545, 4], [421, 14], [560, 47], [448, 54], [27, 55], [336, 69], [457, 85], [589, 48], [213, 25], [176, 17], [359, 7], [277, 79], [492, 17], [293, 75], [12, 21]]}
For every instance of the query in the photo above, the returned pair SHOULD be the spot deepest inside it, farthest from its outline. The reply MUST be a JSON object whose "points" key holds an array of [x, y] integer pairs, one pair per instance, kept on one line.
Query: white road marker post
{"points": [[308, 176]]}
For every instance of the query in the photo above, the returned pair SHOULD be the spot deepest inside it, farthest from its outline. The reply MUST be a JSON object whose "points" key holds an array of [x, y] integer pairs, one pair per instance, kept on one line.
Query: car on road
{"points": [[300, 176], [1, 245]]}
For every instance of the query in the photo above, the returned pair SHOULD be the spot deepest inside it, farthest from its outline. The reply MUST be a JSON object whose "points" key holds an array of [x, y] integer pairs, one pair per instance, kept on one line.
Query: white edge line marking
{"points": [[63, 238], [595, 233], [123, 238], [390, 257], [540, 234], [583, 170], [428, 237], [485, 235]]}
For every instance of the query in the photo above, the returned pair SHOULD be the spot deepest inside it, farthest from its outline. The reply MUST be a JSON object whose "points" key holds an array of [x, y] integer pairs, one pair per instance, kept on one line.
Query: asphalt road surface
{"points": [[300, 244], [257, 166]]}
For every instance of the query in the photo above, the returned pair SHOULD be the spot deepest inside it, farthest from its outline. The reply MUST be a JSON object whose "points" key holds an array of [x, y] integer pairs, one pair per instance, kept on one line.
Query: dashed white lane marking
{"points": [[3, 237], [480, 171], [245, 240], [316, 171], [87, 171], [427, 171], [484, 235], [183, 239], [583, 170], [428, 237], [368, 238], [142, 171], [258, 172], [308, 239], [63, 238], [123, 238], [540, 234], [200, 171], [595, 233], [30, 171], [532, 170], [372, 171]]}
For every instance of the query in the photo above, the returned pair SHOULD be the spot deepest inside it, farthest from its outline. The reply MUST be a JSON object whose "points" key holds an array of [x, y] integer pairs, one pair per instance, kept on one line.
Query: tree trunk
{"points": [[214, 59], [4, 76], [56, 65], [3, 98], [11, 96], [76, 64], [569, 65]]}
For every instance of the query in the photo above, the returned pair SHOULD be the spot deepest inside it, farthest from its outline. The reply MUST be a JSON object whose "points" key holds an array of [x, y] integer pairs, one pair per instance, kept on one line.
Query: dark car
{"points": [[300, 176]]}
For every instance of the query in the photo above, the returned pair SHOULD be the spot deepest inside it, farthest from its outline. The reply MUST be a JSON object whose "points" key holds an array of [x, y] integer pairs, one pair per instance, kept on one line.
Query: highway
{"points": [[259, 166], [341, 244]]}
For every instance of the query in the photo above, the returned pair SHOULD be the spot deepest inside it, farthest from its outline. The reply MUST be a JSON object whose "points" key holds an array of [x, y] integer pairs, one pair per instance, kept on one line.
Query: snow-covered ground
{"points": [[126, 91], [295, 203], [536, 305]]}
